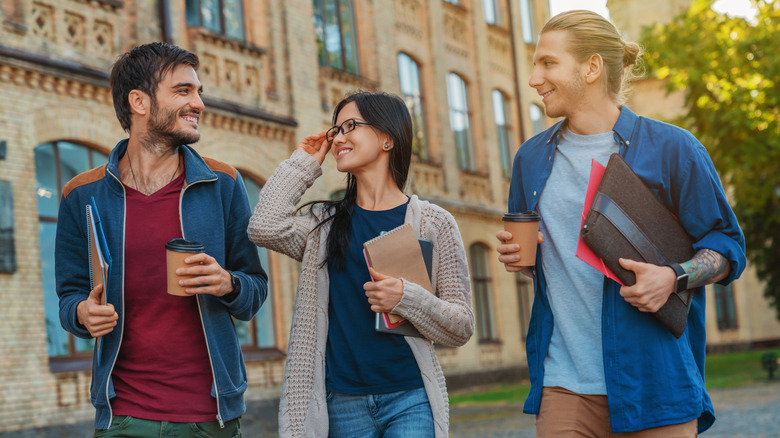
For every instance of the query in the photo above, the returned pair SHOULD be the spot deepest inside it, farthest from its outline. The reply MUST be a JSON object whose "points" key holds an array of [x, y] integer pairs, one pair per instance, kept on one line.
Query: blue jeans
{"points": [[403, 414]]}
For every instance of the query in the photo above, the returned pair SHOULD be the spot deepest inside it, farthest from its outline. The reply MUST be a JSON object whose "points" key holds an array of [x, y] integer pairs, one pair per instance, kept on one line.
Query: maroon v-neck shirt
{"points": [[163, 371]]}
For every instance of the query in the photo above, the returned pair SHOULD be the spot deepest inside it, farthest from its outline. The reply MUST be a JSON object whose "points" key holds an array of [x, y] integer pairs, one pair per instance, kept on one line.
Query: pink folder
{"points": [[584, 253]]}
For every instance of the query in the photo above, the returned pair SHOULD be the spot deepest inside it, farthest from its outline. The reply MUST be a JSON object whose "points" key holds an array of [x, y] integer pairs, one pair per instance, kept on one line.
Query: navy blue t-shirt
{"points": [[360, 360]]}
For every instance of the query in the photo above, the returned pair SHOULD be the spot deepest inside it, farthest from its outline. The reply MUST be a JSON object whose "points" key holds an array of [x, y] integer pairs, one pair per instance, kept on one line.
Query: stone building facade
{"points": [[738, 316], [271, 71]]}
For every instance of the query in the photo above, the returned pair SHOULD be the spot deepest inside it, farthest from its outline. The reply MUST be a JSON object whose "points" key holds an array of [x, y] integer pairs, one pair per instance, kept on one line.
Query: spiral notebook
{"points": [[99, 258], [398, 253]]}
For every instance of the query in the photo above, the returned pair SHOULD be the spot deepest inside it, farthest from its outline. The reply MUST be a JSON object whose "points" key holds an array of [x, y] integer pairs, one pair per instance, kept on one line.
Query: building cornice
{"points": [[73, 79]]}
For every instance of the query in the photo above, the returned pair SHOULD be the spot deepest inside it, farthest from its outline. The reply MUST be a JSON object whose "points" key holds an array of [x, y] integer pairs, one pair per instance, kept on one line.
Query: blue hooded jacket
{"points": [[214, 211]]}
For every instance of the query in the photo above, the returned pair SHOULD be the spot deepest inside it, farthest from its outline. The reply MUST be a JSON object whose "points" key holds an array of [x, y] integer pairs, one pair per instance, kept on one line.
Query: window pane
{"points": [[498, 108], [725, 310], [536, 118], [243, 329], [209, 12], [409, 75], [264, 320], [490, 11], [234, 19], [57, 337], [47, 190], [332, 35], [74, 159], [349, 36], [503, 131], [481, 282], [459, 121], [527, 21], [98, 158], [319, 32], [192, 12], [524, 302]]}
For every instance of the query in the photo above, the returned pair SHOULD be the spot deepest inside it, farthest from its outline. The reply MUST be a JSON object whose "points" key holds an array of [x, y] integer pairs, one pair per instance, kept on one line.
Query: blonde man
{"points": [[600, 364]]}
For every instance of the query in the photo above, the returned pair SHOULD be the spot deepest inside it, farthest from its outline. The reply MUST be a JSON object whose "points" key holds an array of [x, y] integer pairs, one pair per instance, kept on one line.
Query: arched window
{"points": [[260, 332], [55, 164], [224, 17], [504, 131], [409, 75], [483, 293], [460, 123], [537, 118], [334, 28]]}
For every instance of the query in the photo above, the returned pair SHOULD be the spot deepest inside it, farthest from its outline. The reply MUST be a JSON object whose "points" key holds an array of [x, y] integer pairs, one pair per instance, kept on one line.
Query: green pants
{"points": [[131, 427]]}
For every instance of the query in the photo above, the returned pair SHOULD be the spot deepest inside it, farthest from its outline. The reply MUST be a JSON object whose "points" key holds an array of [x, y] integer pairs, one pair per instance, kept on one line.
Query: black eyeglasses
{"points": [[346, 126]]}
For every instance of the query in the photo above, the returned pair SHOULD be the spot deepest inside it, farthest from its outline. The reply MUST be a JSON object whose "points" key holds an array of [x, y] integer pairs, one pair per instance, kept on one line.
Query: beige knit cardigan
{"points": [[445, 318]]}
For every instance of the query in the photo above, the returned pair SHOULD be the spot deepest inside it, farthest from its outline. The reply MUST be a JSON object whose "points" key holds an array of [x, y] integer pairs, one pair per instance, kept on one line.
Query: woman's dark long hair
{"points": [[387, 113]]}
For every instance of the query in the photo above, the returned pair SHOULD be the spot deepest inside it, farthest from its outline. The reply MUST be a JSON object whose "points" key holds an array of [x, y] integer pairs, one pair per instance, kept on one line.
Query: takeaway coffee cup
{"points": [[176, 250], [525, 229]]}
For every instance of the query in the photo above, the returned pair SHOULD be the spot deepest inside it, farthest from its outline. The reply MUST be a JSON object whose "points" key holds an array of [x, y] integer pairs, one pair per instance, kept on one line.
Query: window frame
{"points": [[525, 296], [323, 57], [527, 22], [416, 106], [464, 150], [74, 359], [725, 307], [253, 349], [503, 130], [536, 123], [482, 286], [222, 22], [494, 9]]}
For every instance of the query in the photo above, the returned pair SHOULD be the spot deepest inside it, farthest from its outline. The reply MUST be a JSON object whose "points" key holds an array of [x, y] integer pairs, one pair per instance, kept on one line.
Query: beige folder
{"points": [[397, 253]]}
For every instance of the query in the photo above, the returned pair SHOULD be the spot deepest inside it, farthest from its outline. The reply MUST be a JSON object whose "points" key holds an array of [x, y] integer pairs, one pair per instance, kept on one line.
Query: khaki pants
{"points": [[566, 414]]}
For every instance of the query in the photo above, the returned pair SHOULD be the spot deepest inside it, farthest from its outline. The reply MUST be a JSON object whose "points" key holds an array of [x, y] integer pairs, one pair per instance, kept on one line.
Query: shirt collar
{"points": [[623, 129]]}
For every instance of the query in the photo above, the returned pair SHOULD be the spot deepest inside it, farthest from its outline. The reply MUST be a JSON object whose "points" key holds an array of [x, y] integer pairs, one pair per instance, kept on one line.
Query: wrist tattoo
{"points": [[706, 267]]}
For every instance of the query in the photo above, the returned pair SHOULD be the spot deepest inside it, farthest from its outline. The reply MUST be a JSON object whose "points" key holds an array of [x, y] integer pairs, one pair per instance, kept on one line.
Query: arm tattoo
{"points": [[706, 267]]}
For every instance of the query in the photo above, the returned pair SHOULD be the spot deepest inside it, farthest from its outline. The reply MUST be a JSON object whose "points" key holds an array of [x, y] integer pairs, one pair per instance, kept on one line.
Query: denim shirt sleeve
{"points": [[703, 207]]}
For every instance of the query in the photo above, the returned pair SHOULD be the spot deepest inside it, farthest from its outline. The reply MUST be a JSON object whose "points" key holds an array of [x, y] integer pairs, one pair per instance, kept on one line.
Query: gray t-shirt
{"points": [[574, 289]]}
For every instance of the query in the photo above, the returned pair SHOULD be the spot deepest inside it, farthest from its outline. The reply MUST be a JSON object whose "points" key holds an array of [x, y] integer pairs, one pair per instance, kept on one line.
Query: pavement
{"points": [[747, 412]]}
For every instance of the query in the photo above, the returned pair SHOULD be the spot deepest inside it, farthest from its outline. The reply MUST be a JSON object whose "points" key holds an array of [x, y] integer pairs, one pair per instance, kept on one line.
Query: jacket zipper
{"points": [[122, 295], [200, 310]]}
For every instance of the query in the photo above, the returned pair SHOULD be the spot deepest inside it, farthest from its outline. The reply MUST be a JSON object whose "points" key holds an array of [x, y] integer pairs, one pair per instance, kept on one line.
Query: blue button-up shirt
{"points": [[653, 379]]}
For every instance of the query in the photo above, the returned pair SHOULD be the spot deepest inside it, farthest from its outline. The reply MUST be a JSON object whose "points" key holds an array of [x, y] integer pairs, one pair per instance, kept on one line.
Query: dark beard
{"points": [[162, 129]]}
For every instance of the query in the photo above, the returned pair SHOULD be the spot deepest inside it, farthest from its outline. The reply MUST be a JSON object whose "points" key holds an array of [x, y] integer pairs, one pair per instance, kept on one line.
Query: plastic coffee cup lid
{"points": [[526, 216], [181, 245]]}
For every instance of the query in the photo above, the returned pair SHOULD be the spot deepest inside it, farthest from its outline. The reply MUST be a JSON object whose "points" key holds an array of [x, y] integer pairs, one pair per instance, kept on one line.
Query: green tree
{"points": [[729, 71]]}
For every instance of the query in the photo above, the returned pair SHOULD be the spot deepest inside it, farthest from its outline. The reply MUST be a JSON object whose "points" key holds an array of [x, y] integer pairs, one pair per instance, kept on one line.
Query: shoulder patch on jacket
{"points": [[83, 179], [218, 166]]}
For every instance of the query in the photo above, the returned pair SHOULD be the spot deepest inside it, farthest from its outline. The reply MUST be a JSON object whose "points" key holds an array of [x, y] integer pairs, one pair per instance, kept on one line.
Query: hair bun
{"points": [[631, 51]]}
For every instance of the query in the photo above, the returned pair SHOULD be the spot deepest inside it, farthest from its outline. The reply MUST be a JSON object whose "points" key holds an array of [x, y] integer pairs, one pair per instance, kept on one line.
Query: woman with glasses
{"points": [[343, 378]]}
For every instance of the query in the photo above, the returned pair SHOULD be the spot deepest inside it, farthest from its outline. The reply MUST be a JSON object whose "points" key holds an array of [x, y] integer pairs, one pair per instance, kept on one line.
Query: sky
{"points": [[741, 8]]}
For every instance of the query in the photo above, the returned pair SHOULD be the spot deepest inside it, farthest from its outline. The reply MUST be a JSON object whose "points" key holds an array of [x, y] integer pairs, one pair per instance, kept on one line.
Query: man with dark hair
{"points": [[600, 364], [168, 365]]}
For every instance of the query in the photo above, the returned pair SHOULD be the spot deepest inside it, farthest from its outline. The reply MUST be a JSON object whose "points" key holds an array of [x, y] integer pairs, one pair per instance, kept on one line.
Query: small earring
{"points": [[387, 146]]}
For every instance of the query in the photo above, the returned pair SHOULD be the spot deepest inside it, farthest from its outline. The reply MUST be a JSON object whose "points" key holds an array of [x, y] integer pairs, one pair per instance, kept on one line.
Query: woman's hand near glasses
{"points": [[316, 145]]}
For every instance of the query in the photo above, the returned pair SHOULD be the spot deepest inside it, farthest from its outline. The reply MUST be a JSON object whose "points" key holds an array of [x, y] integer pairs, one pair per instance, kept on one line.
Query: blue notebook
{"points": [[99, 259]]}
